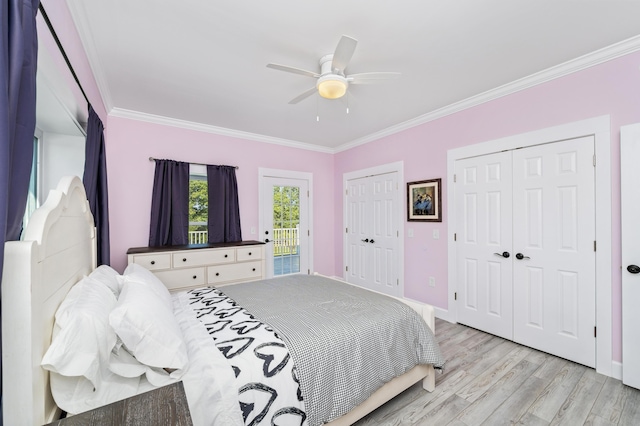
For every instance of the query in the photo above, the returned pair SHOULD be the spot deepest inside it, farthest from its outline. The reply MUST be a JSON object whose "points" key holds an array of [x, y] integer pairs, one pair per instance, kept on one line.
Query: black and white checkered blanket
{"points": [[346, 342]]}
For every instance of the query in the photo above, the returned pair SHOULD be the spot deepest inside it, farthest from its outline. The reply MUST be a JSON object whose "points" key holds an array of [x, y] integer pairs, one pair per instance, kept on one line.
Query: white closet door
{"points": [[553, 245], [384, 233], [372, 234], [483, 225], [359, 200], [630, 176]]}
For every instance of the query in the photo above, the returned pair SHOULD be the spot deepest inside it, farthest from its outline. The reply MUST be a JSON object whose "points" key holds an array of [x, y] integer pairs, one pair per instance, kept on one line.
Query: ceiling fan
{"points": [[332, 81]]}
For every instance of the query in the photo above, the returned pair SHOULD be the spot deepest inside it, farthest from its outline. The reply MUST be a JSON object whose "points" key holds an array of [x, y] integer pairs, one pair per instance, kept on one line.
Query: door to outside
{"points": [[525, 246], [630, 176], [372, 233], [285, 225]]}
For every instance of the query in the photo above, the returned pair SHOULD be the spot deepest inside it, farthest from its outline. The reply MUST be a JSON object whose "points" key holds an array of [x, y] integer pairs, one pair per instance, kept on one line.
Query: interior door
{"points": [[484, 240], [630, 176], [285, 225], [372, 233], [553, 244], [525, 236]]}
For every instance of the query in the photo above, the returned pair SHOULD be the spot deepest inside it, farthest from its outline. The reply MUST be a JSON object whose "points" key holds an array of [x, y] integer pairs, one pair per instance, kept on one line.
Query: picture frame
{"points": [[424, 201]]}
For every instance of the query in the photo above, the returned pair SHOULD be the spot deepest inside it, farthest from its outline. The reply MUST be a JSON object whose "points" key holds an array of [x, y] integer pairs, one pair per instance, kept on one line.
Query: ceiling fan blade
{"points": [[372, 77], [344, 51], [293, 70], [303, 95]]}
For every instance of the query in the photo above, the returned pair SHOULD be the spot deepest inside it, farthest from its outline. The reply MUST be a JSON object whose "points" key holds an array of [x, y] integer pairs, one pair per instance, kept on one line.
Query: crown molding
{"points": [[207, 128], [583, 62], [78, 14]]}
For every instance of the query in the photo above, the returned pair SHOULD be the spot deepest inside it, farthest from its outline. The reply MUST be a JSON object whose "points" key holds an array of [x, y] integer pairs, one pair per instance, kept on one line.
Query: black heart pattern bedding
{"points": [[268, 388]]}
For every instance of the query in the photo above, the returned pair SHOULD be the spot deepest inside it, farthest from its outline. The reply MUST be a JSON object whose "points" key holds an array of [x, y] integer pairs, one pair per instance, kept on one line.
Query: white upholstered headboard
{"points": [[58, 247]]}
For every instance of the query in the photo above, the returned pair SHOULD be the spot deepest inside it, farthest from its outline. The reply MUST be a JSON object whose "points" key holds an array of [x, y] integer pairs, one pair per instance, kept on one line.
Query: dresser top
{"points": [[142, 250]]}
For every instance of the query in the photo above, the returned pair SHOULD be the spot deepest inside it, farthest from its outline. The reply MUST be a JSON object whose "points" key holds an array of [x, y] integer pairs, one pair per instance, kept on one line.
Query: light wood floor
{"points": [[491, 381]]}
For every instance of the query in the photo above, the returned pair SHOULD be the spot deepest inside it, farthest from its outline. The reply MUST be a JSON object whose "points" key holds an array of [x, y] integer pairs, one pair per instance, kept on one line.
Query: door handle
{"points": [[634, 269], [504, 254], [372, 241], [366, 240], [521, 256]]}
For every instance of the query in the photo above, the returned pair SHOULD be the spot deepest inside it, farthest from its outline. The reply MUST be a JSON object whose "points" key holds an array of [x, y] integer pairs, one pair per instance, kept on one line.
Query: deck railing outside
{"points": [[198, 237], [285, 240]]}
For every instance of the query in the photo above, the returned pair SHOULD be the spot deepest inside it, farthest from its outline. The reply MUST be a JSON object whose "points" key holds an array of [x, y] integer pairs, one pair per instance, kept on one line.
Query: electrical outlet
{"points": [[436, 234], [432, 282], [253, 230], [410, 232]]}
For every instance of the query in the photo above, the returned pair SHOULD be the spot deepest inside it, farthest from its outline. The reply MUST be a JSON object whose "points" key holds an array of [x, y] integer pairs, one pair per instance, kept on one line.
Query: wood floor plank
{"points": [[577, 407], [558, 389], [611, 400], [488, 402], [491, 381], [631, 411]]}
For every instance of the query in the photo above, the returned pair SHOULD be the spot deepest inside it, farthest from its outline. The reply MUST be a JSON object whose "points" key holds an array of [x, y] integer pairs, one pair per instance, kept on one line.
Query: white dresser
{"points": [[191, 266]]}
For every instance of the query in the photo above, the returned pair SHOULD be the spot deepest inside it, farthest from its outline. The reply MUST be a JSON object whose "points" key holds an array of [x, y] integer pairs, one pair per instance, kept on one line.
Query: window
{"points": [[198, 204], [32, 196]]}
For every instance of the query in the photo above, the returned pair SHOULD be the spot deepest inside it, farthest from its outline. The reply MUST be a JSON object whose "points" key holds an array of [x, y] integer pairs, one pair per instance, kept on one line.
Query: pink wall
{"points": [[612, 88], [130, 173]]}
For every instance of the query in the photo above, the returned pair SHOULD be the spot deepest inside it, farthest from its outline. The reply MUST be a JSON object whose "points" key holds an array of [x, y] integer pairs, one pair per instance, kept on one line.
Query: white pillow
{"points": [[109, 277], [82, 337], [145, 323], [142, 276]]}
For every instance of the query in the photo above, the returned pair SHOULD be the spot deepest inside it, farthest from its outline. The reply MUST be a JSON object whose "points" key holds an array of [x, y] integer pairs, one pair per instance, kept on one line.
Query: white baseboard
{"points": [[616, 370], [444, 314]]}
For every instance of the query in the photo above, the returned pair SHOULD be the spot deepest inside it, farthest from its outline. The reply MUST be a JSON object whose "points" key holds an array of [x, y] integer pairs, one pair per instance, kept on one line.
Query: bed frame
{"points": [[57, 249]]}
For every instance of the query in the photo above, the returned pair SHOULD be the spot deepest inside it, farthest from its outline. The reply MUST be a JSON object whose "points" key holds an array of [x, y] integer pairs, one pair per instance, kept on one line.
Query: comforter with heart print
{"points": [[268, 388]]}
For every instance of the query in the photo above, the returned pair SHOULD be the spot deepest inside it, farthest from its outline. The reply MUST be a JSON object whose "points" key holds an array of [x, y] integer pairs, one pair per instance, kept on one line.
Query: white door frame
{"points": [[287, 174], [397, 167], [600, 128]]}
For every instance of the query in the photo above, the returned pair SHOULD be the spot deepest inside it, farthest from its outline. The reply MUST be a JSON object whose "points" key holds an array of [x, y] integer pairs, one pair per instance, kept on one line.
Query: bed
{"points": [[58, 251]]}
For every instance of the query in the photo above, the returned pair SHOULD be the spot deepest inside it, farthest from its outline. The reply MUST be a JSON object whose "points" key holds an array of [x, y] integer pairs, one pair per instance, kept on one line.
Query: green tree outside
{"points": [[198, 204]]}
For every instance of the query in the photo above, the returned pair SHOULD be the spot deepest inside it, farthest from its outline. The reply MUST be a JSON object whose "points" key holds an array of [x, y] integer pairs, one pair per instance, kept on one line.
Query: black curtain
{"points": [[95, 183], [18, 60], [224, 210], [170, 204]]}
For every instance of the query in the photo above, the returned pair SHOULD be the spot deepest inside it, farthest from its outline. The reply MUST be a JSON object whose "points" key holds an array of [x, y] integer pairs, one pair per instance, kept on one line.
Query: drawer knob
{"points": [[249, 253], [184, 259], [226, 255], [195, 276], [217, 274], [254, 269], [153, 262]]}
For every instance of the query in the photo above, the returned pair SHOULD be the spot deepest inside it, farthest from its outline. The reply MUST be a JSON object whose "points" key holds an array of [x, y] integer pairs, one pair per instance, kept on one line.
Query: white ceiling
{"points": [[204, 62]]}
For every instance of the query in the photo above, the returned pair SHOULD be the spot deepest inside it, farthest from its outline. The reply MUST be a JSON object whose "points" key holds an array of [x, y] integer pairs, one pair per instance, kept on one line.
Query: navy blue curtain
{"points": [[18, 60], [170, 204], [95, 183], [224, 210]]}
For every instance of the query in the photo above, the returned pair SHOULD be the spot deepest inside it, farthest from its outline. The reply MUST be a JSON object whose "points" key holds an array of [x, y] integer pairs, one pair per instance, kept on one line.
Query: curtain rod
{"points": [[199, 164], [64, 54]]}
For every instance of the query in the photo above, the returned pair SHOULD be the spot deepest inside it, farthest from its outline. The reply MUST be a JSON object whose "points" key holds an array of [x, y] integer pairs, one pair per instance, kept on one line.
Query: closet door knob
{"points": [[504, 254], [366, 240], [634, 269], [371, 241], [521, 256]]}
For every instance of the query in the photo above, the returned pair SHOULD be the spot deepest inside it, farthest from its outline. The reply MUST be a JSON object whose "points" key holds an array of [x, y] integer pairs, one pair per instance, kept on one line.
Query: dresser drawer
{"points": [[153, 261], [181, 278], [248, 253], [234, 272], [202, 257]]}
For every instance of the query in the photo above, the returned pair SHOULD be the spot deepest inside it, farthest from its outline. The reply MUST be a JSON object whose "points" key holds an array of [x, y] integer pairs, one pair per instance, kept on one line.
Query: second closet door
{"points": [[525, 246]]}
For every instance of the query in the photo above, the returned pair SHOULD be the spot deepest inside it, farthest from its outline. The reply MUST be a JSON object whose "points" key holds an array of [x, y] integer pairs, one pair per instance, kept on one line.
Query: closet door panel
{"points": [[483, 224], [553, 244]]}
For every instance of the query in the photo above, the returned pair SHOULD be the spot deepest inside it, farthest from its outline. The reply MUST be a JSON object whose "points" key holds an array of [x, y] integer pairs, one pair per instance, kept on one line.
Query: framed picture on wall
{"points": [[424, 201]]}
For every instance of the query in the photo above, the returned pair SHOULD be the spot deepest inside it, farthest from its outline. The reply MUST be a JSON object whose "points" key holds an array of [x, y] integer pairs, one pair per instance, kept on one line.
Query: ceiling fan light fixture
{"points": [[332, 86]]}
